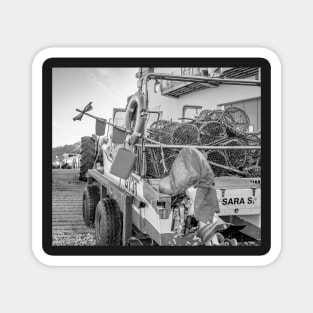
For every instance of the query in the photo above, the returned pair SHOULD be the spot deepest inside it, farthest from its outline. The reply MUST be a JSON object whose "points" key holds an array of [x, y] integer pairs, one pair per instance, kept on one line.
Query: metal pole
{"points": [[193, 79], [228, 168], [203, 147], [215, 164], [201, 79], [101, 119]]}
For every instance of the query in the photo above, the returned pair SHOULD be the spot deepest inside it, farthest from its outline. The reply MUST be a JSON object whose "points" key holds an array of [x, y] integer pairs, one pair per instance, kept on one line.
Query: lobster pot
{"points": [[237, 157], [169, 157], [254, 171], [197, 123], [154, 130], [178, 134], [241, 120], [161, 131], [232, 132], [215, 115], [166, 132], [218, 157], [185, 134], [203, 116], [155, 164], [211, 132], [252, 140], [227, 119]]}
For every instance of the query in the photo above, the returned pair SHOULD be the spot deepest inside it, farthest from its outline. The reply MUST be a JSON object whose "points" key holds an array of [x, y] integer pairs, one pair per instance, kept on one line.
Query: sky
{"points": [[72, 88]]}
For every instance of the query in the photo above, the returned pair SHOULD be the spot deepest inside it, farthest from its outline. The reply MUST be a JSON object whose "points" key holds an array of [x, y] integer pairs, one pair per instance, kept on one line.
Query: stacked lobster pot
{"points": [[210, 128]]}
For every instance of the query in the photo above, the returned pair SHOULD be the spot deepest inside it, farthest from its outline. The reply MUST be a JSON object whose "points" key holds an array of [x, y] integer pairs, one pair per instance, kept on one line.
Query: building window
{"points": [[191, 71], [186, 71]]}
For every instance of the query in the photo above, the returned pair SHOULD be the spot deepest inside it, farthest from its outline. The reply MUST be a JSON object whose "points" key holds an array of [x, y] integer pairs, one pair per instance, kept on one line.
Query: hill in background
{"points": [[59, 151]]}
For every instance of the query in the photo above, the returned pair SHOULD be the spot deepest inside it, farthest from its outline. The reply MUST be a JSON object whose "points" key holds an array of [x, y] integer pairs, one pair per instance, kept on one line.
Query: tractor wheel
{"points": [[87, 156], [91, 197], [108, 223]]}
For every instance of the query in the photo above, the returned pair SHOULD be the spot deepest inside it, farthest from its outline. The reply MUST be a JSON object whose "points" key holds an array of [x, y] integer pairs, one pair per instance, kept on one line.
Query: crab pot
{"points": [[166, 132], [218, 157], [203, 116], [174, 133], [211, 132], [215, 115], [253, 171], [154, 130], [185, 134], [237, 157], [227, 119], [154, 162], [240, 118], [198, 124], [252, 140]]}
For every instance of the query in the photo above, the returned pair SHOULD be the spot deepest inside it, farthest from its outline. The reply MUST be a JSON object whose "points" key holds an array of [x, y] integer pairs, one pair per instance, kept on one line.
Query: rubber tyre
{"points": [[108, 223], [87, 156], [91, 197], [230, 242]]}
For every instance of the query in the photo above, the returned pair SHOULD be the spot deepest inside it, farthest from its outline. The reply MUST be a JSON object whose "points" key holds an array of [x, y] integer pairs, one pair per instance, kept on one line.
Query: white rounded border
{"points": [[266, 259]]}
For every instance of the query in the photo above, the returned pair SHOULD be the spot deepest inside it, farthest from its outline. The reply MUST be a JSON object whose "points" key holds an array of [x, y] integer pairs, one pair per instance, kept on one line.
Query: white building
{"points": [[183, 99]]}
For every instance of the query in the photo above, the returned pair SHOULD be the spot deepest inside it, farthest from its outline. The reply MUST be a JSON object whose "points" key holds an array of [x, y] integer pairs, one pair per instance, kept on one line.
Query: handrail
{"points": [[156, 144], [193, 79], [201, 79], [201, 147]]}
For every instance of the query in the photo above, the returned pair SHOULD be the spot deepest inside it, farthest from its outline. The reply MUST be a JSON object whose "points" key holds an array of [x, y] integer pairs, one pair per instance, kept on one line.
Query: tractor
{"points": [[70, 161], [174, 182]]}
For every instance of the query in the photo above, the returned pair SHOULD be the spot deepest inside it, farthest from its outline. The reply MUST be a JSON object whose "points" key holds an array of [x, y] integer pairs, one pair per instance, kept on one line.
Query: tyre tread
{"points": [[109, 229]]}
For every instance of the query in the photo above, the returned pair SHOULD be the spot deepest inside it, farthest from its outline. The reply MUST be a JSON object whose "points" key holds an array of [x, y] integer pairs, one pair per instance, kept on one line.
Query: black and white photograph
{"points": [[156, 156], [152, 150]]}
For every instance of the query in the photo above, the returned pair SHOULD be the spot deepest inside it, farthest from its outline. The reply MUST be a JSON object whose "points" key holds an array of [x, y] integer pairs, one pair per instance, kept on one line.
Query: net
{"points": [[254, 171], [203, 116], [156, 166], [166, 133], [215, 115], [240, 118], [210, 132], [154, 130], [218, 157], [210, 128], [185, 134], [237, 157]]}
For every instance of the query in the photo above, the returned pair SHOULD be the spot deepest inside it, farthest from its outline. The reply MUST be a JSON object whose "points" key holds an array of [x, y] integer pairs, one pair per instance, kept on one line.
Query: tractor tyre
{"points": [[91, 197], [87, 156], [230, 242], [108, 223]]}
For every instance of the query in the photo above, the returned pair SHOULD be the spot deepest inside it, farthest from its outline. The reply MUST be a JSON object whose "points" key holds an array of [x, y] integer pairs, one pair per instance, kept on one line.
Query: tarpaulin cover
{"points": [[206, 204], [100, 127], [191, 168], [119, 136], [123, 164]]}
